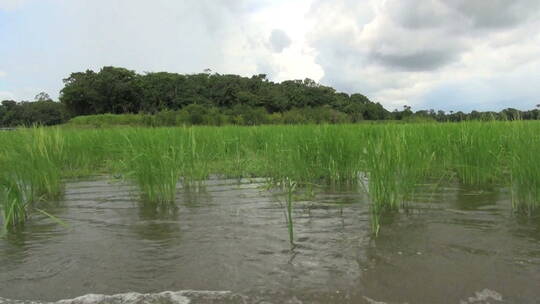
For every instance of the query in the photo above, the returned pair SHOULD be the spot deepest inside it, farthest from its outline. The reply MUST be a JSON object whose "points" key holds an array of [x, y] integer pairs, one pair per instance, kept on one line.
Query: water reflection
{"points": [[38, 229], [194, 195], [528, 228], [157, 222], [474, 198]]}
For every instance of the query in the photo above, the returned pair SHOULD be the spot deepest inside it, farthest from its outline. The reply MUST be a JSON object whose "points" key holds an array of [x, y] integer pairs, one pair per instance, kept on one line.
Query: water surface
{"points": [[227, 242]]}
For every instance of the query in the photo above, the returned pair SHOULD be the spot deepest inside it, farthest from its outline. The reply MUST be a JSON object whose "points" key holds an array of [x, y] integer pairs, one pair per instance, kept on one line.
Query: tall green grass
{"points": [[524, 144], [387, 160], [31, 162], [155, 164], [396, 160]]}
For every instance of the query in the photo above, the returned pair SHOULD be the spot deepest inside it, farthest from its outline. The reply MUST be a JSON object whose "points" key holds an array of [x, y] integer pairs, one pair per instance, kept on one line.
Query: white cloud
{"points": [[227, 36], [420, 53], [400, 51], [297, 61], [3, 74]]}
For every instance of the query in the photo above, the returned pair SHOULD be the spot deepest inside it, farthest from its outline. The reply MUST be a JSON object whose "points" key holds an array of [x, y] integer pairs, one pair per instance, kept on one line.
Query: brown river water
{"points": [[227, 242]]}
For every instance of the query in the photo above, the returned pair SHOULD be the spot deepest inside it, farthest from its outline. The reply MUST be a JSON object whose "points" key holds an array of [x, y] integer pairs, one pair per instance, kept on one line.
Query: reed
{"points": [[13, 202], [31, 172], [154, 163], [395, 161], [524, 173], [289, 188], [478, 152], [388, 160]]}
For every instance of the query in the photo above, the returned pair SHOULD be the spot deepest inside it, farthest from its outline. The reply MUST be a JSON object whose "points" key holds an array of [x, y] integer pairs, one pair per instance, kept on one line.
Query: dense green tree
{"points": [[42, 96], [117, 90], [80, 93], [10, 113], [111, 90], [43, 112], [207, 98], [511, 114]]}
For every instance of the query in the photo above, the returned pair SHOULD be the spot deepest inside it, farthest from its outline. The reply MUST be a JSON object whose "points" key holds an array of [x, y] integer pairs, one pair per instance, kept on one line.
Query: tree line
{"points": [[42, 111], [118, 90], [207, 98]]}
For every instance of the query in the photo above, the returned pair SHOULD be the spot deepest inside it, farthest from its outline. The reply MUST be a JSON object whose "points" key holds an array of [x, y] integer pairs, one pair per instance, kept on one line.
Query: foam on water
{"points": [[226, 297], [166, 297], [484, 296]]}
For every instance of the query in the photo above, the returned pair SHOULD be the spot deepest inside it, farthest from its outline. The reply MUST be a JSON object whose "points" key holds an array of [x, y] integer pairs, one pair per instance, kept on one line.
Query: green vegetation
{"points": [[289, 186], [31, 162], [387, 160], [155, 165], [199, 115], [44, 113], [117, 96], [118, 90]]}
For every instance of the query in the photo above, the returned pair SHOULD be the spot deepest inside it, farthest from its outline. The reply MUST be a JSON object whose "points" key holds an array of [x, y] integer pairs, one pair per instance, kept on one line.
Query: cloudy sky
{"points": [[440, 54]]}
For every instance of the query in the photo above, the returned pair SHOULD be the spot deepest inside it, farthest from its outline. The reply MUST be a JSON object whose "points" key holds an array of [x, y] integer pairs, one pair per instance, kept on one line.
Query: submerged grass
{"points": [[387, 160]]}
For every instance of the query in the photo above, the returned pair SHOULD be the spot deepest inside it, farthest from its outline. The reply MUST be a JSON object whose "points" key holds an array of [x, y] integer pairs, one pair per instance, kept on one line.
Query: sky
{"points": [[459, 55]]}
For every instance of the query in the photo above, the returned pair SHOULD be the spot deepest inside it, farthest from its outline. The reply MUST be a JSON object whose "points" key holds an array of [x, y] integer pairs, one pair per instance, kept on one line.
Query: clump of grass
{"points": [[395, 163], [31, 172], [524, 173], [92, 152], [478, 152], [154, 164], [14, 199], [43, 156], [195, 159], [313, 154]]}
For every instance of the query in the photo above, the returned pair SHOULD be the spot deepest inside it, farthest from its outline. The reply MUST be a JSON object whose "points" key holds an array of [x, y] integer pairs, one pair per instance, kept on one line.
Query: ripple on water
{"points": [[449, 246]]}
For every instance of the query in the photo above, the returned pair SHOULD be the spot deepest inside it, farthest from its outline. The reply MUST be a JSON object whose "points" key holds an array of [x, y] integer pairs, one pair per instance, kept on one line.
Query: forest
{"points": [[165, 98]]}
